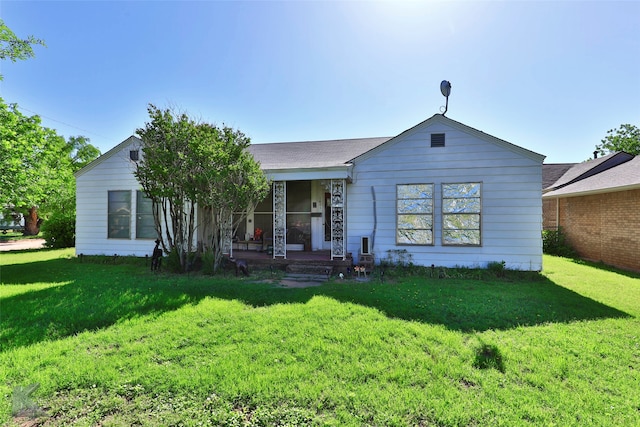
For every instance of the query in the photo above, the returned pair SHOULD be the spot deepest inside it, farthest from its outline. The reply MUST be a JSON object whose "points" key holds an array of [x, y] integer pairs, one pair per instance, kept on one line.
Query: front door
{"points": [[320, 217]]}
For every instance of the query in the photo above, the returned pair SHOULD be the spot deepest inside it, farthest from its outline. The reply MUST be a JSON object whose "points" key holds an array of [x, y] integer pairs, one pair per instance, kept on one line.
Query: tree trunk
{"points": [[32, 222]]}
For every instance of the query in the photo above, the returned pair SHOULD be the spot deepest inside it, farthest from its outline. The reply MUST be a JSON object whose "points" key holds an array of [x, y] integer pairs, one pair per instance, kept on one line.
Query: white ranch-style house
{"points": [[447, 194]]}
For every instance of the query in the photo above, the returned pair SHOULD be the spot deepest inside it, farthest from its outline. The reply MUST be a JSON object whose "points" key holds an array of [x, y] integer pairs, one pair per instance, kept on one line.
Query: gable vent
{"points": [[437, 139], [134, 155]]}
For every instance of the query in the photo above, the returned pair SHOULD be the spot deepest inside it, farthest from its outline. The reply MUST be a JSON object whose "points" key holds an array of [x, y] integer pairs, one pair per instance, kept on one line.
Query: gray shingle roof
{"points": [[592, 167], [619, 177], [312, 154], [551, 172]]}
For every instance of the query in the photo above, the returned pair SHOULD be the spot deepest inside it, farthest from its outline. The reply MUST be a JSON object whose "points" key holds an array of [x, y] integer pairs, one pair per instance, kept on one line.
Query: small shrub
{"points": [[59, 231], [172, 262], [554, 243], [398, 258], [498, 268], [208, 259]]}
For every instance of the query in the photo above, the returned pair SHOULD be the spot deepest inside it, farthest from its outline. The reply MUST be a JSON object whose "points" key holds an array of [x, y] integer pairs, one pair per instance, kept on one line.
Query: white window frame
{"points": [[140, 195], [114, 215], [455, 206], [407, 207]]}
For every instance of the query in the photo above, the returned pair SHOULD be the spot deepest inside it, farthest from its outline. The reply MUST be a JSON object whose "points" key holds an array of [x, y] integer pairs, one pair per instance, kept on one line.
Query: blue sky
{"points": [[552, 77]]}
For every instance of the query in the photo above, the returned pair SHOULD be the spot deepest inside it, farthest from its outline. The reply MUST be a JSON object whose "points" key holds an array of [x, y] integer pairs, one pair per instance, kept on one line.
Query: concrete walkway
{"points": [[19, 245]]}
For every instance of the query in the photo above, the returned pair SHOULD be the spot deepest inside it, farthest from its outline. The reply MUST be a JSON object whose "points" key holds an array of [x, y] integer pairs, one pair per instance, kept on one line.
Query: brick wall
{"points": [[604, 227], [549, 214]]}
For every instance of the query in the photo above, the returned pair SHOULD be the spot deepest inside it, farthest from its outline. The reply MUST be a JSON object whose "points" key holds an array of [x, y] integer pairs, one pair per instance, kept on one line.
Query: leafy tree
{"points": [[186, 164], [59, 229], [625, 138], [14, 48], [36, 167], [81, 152]]}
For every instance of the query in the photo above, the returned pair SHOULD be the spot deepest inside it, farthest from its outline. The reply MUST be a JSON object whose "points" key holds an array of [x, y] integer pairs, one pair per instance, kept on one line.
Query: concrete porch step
{"points": [[308, 269], [301, 277]]}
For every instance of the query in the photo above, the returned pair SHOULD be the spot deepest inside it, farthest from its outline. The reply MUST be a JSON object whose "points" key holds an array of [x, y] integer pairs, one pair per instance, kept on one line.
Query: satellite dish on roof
{"points": [[445, 88]]}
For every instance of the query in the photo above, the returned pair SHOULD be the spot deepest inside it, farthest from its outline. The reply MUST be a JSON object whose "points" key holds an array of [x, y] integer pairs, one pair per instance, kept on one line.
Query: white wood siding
{"points": [[511, 197], [115, 172]]}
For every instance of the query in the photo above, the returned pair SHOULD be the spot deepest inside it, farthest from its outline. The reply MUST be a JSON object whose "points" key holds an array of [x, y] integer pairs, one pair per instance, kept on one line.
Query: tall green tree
{"points": [[36, 166], [188, 165], [81, 152], [625, 138], [13, 47]]}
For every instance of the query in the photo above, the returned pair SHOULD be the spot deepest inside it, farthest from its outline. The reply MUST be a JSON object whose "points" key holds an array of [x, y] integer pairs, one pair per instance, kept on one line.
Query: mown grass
{"points": [[111, 343]]}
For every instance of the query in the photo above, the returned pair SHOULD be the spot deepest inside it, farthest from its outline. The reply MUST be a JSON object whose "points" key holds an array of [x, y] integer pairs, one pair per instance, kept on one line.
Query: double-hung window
{"points": [[414, 213], [461, 214], [145, 225], [119, 215]]}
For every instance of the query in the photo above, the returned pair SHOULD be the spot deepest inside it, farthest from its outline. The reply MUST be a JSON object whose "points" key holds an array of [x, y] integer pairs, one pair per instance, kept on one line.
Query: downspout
{"points": [[557, 213], [375, 220]]}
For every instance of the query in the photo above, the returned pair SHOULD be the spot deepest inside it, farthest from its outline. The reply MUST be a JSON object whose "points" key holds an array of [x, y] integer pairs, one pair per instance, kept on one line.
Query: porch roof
{"points": [[303, 156]]}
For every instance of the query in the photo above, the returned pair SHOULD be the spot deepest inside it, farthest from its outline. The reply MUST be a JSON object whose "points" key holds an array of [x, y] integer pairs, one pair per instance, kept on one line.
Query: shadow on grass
{"points": [[100, 295], [605, 267]]}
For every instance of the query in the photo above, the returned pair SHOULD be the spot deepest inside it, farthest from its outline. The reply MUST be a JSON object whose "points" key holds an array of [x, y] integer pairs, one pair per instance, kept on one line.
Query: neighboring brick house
{"points": [[550, 174], [597, 206]]}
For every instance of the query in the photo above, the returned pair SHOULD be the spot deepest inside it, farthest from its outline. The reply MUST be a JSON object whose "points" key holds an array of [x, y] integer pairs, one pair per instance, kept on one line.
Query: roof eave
{"points": [[560, 194], [333, 172]]}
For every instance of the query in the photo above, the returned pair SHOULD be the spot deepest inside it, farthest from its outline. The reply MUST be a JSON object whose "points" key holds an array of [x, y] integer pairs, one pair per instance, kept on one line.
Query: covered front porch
{"points": [[300, 219]]}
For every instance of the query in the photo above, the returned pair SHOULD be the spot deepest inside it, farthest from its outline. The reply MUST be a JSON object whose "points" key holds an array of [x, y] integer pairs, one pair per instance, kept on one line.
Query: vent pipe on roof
{"points": [[595, 155]]}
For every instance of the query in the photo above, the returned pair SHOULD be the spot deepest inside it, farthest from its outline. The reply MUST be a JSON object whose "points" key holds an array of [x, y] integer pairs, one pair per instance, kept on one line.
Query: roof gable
{"points": [[440, 119], [132, 140]]}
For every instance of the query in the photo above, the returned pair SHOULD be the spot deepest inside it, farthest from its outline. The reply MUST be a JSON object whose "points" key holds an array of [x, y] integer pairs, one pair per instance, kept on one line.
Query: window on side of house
{"points": [[145, 225], [119, 215], [461, 214], [414, 214]]}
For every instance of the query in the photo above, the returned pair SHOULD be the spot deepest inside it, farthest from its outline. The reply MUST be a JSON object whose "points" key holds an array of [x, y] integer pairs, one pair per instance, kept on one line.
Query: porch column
{"points": [[227, 236], [280, 219], [338, 229]]}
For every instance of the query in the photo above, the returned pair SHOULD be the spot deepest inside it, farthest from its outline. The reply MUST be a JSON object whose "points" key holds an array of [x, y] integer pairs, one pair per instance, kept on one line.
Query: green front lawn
{"points": [[111, 344]]}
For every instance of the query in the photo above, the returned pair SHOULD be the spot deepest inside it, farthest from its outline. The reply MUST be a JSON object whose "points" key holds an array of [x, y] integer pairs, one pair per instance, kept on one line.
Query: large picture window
{"points": [[461, 209], [145, 226], [414, 213], [119, 215]]}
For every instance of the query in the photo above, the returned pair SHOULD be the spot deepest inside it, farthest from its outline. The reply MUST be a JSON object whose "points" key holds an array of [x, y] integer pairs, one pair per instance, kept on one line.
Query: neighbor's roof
{"points": [[622, 176], [551, 172], [312, 154], [589, 168]]}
